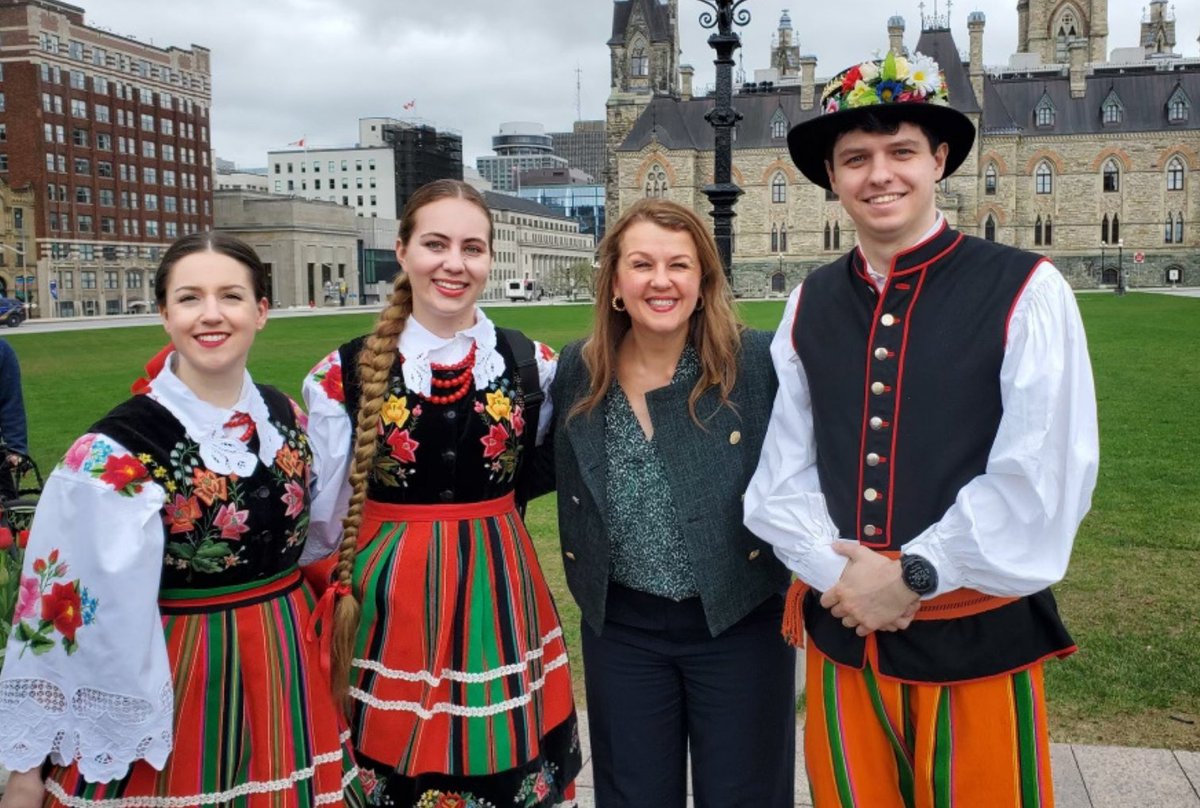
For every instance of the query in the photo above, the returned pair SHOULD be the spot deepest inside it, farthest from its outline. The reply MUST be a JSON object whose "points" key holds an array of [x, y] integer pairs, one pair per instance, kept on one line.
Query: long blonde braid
{"points": [[375, 362]]}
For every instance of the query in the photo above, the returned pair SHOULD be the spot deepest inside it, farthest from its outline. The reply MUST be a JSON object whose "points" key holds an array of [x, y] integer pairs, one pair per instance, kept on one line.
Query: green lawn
{"points": [[1130, 597]]}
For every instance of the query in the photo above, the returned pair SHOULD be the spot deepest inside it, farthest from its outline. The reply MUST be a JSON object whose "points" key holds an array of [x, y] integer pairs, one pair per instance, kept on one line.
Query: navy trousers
{"points": [[658, 683]]}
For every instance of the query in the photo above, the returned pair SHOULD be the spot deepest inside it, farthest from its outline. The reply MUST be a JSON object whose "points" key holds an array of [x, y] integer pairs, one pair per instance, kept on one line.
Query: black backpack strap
{"points": [[530, 384]]}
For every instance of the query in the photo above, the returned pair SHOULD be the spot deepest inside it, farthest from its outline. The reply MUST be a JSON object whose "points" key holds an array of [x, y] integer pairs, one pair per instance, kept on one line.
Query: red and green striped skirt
{"points": [[255, 722], [460, 684]]}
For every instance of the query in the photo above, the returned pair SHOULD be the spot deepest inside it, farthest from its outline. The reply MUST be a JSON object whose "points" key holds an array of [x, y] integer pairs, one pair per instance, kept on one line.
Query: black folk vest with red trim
{"points": [[905, 387]]}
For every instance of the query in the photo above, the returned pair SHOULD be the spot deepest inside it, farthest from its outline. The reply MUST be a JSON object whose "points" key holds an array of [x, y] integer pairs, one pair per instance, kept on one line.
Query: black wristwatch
{"points": [[918, 574]]}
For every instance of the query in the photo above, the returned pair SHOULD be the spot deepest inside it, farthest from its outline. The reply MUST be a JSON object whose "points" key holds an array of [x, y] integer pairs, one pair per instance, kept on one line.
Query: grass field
{"points": [[1131, 597]]}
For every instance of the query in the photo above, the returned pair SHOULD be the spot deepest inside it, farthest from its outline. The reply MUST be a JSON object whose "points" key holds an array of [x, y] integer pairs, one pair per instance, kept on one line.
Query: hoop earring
{"points": [[618, 304], [700, 304]]}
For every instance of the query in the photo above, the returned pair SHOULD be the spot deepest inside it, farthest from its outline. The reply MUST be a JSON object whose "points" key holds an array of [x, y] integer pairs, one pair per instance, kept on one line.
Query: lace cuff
{"points": [[104, 733]]}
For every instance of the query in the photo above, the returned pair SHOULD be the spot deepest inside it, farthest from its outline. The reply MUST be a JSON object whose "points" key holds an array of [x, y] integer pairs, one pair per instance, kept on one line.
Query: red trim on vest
{"points": [[1020, 293], [866, 420], [896, 401]]}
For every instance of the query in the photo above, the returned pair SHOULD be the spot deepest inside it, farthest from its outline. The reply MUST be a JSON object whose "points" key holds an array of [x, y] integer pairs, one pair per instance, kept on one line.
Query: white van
{"points": [[521, 290]]}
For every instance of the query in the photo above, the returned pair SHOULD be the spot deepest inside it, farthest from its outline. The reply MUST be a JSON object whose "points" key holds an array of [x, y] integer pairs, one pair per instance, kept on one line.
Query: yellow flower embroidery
{"points": [[499, 406], [145, 458], [160, 472], [395, 411], [170, 486]]}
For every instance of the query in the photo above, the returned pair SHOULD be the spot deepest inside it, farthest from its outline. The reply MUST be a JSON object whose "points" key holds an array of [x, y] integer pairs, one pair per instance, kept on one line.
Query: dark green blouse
{"points": [[648, 552]]}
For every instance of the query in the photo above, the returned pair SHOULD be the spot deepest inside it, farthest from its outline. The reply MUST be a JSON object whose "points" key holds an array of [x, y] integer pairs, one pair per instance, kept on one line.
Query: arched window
{"points": [[1047, 232], [1112, 112], [779, 188], [989, 228], [1112, 177], [1175, 174], [774, 239], [783, 238], [1116, 228], [639, 62], [828, 237], [1043, 179], [1179, 227], [1037, 232], [778, 282], [837, 236], [1067, 30], [1044, 112], [1169, 230], [656, 182], [779, 124], [989, 179], [1104, 229], [1177, 110]]}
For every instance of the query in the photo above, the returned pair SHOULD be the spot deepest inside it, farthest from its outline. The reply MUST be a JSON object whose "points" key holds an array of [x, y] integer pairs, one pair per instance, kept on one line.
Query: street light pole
{"points": [[1120, 267], [723, 193]]}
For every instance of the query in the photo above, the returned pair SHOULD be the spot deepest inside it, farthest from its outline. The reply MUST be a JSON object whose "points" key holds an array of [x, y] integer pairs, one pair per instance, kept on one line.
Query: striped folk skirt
{"points": [[871, 742], [461, 689], [255, 722]]}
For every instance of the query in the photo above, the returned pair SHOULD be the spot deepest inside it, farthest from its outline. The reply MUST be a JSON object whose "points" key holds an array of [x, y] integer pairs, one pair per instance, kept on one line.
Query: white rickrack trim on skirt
{"points": [[216, 797], [459, 709], [458, 676]]}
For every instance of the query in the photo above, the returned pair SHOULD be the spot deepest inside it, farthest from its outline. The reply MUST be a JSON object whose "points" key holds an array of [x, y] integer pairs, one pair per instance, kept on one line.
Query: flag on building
{"points": [[299, 143], [411, 104]]}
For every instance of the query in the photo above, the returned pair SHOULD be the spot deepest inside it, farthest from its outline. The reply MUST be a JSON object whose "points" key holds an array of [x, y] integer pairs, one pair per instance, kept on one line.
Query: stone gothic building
{"points": [[1088, 157]]}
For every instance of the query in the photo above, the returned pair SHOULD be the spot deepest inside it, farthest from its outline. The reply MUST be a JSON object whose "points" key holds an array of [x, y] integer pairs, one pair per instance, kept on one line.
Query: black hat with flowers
{"points": [[894, 88]]}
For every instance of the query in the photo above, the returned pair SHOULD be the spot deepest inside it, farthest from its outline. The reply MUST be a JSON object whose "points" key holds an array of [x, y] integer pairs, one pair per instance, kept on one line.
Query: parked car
{"points": [[12, 312]]}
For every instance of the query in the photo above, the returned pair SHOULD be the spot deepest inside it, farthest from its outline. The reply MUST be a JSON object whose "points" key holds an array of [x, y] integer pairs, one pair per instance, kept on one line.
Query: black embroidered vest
{"points": [[466, 451], [221, 530], [905, 387]]}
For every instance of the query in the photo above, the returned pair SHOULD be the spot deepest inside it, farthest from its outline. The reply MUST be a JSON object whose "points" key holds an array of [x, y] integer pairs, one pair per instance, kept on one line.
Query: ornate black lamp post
{"points": [[723, 193], [1120, 266]]}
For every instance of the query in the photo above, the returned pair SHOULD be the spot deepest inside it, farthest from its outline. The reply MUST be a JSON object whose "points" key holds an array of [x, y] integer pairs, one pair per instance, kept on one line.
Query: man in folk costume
{"points": [[931, 453]]}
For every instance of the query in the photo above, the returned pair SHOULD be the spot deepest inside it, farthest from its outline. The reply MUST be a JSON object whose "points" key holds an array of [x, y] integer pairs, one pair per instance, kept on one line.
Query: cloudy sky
{"points": [[286, 69]]}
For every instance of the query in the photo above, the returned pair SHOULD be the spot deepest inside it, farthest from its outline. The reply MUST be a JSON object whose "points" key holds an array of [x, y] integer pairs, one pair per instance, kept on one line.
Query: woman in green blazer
{"points": [[660, 416]]}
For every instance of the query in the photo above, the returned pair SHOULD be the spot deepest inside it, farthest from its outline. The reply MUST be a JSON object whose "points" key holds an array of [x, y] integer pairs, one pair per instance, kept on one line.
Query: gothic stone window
{"points": [[779, 124], [989, 228], [783, 238], [1110, 233], [1047, 232], [828, 237], [1112, 177], [639, 63], [779, 188], [1169, 230], [1111, 111], [774, 239], [1037, 232], [1177, 107], [1044, 112], [656, 182], [1179, 227], [1175, 174], [837, 236], [1066, 30], [1043, 179], [989, 179]]}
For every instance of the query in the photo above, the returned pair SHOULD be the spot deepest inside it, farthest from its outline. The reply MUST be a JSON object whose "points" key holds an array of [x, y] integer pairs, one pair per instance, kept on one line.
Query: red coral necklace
{"points": [[456, 386]]}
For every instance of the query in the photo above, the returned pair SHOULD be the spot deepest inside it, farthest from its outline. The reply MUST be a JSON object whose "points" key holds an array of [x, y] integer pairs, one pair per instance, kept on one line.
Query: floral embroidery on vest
{"points": [[396, 451], [504, 418]]}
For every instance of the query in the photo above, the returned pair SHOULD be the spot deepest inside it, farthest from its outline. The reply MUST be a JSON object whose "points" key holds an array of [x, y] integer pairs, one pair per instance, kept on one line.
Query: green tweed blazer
{"points": [[708, 468]]}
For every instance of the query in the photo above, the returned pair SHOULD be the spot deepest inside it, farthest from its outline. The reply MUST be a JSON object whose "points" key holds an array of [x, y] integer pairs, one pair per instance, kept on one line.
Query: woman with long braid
{"points": [[445, 640]]}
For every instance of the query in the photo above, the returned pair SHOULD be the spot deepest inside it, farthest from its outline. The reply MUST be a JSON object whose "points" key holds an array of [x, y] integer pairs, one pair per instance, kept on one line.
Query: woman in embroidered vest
{"points": [[158, 655], [661, 416], [446, 639]]}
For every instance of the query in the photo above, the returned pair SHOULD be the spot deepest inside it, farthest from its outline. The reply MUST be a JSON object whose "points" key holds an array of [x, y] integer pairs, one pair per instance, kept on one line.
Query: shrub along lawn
{"points": [[1130, 597]]}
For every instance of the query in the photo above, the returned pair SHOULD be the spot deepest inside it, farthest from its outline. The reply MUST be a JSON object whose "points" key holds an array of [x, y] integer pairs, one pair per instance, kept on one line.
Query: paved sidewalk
{"points": [[1084, 776]]}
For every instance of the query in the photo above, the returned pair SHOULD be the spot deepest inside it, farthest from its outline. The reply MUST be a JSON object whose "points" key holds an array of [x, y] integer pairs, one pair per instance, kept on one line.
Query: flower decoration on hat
{"points": [[891, 80]]}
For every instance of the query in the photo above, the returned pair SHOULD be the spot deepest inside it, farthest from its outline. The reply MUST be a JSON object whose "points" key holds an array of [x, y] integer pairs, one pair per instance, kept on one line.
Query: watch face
{"points": [[918, 574]]}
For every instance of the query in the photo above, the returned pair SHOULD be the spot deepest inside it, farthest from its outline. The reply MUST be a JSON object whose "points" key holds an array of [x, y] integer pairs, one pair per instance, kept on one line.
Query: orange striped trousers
{"points": [[871, 742]]}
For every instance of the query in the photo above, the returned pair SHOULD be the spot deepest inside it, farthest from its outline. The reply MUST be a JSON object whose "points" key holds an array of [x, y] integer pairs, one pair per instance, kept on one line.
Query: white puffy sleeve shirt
{"points": [[86, 674], [1010, 530], [330, 429]]}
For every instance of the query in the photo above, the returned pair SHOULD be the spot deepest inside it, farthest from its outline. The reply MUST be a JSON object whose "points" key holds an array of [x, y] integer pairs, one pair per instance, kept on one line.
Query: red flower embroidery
{"points": [[124, 473], [293, 497], [450, 801], [403, 446], [209, 487], [182, 513], [232, 521], [61, 606], [289, 461], [518, 421], [331, 383], [494, 441], [6, 538]]}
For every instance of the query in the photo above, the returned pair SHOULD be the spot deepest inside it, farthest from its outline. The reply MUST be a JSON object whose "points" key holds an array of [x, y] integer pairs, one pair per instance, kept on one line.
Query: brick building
{"points": [[113, 136]]}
